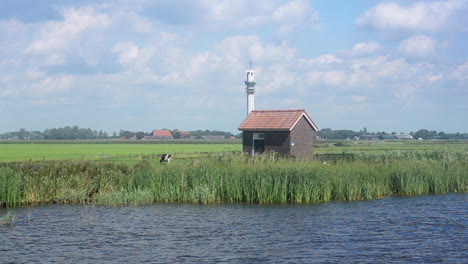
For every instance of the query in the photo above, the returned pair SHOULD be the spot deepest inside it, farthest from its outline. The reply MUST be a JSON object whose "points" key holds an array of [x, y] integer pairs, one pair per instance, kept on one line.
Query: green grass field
{"points": [[89, 150], [377, 147], [22, 152]]}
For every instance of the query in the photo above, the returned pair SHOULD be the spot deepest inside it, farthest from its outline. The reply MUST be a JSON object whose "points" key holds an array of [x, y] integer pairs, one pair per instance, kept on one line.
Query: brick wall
{"points": [[277, 141], [303, 137]]}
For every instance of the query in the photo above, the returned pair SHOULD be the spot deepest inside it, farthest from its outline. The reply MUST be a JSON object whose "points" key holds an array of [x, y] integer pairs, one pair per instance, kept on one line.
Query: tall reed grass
{"points": [[235, 178]]}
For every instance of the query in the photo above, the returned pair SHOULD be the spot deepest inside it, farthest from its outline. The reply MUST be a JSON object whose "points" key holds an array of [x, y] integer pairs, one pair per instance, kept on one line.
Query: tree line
{"points": [[328, 133], [77, 133]]}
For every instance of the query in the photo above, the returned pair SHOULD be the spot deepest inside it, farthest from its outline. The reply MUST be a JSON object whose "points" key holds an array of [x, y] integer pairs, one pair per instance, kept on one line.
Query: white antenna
{"points": [[250, 89]]}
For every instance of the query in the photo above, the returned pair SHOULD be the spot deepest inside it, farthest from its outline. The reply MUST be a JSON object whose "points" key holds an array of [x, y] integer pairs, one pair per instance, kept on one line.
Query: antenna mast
{"points": [[250, 88]]}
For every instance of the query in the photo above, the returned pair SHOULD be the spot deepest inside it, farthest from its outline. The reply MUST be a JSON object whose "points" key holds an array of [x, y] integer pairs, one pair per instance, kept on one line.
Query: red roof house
{"points": [[160, 134], [288, 132], [185, 134]]}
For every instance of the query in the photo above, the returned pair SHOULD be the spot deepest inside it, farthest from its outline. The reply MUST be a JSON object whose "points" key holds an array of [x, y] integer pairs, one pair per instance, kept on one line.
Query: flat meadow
{"points": [[124, 174], [106, 150]]}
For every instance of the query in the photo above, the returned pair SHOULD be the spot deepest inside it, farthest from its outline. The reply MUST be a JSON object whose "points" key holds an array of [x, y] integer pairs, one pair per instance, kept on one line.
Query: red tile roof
{"points": [[275, 120], [162, 133]]}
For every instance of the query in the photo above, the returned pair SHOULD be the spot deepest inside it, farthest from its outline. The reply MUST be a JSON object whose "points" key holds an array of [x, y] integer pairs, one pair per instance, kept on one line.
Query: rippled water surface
{"points": [[419, 229]]}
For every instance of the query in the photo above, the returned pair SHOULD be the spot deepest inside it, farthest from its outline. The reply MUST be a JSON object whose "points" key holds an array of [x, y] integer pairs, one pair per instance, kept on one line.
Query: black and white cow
{"points": [[165, 158]]}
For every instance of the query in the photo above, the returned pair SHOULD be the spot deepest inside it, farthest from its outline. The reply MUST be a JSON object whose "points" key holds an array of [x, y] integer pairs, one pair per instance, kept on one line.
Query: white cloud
{"points": [[12, 27], [127, 51], [32, 75], [425, 16], [379, 74], [434, 78], [284, 16], [9, 92], [240, 49], [418, 46], [127, 17], [293, 15], [54, 59], [361, 49], [52, 85], [56, 36], [334, 78], [291, 10], [382, 67], [461, 72], [201, 64], [277, 77], [266, 53], [406, 90], [38, 85], [324, 59]]}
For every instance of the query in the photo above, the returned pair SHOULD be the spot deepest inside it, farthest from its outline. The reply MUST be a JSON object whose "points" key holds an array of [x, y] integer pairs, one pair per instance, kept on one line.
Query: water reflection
{"points": [[421, 229]]}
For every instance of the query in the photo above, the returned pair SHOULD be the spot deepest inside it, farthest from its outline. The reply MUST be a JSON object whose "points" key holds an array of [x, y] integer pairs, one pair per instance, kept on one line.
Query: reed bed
{"points": [[235, 178]]}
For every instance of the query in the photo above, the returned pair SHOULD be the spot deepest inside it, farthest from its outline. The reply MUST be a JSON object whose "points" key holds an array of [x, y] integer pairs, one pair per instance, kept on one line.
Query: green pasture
{"points": [[115, 150], [384, 146], [22, 152]]}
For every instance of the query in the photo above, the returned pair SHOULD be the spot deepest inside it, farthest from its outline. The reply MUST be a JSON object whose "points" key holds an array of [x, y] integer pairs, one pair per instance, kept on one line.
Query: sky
{"points": [[394, 66]]}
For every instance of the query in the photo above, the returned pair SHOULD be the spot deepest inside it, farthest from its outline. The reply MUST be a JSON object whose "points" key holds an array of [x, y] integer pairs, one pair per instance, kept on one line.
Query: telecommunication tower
{"points": [[250, 89]]}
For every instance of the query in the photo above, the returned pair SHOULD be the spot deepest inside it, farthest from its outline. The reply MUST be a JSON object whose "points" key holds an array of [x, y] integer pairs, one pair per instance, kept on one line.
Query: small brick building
{"points": [[288, 132]]}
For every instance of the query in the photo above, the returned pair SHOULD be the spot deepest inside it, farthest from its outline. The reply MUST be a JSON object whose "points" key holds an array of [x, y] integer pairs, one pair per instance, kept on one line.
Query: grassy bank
{"points": [[235, 178]]}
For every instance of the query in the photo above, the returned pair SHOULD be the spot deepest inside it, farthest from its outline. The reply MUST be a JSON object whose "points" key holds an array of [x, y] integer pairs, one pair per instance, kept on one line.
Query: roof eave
{"points": [[308, 120], [264, 129]]}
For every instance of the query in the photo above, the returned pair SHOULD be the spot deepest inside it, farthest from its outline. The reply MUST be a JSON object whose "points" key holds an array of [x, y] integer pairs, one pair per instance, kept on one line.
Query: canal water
{"points": [[417, 229]]}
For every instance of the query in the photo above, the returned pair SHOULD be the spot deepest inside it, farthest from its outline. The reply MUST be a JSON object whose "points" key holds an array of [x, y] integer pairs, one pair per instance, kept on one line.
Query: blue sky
{"points": [[394, 66]]}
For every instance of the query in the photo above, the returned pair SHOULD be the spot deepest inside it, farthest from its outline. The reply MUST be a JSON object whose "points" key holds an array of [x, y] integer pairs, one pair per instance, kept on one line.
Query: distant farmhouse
{"points": [[185, 135], [160, 134], [287, 132]]}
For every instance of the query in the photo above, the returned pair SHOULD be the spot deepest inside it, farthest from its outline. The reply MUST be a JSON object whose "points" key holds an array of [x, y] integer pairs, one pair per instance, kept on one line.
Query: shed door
{"points": [[258, 142]]}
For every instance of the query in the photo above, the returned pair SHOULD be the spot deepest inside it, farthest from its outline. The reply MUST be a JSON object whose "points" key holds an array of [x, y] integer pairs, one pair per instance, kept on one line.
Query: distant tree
{"points": [[328, 133], [422, 133], [139, 135], [22, 134], [442, 135], [176, 134], [126, 134]]}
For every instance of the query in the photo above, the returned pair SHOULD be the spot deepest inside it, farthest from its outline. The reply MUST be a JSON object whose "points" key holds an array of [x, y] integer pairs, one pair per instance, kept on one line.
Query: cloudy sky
{"points": [[395, 66]]}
